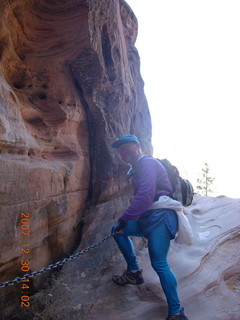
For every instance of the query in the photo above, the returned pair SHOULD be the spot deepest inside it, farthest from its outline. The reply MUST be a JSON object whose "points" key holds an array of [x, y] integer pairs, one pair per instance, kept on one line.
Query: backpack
{"points": [[182, 188]]}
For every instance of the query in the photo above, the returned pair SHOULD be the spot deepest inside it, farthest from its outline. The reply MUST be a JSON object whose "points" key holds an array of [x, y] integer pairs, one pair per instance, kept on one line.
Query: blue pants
{"points": [[158, 246]]}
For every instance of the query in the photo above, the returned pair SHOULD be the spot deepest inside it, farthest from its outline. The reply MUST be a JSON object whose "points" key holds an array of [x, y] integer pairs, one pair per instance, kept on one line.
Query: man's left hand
{"points": [[119, 226]]}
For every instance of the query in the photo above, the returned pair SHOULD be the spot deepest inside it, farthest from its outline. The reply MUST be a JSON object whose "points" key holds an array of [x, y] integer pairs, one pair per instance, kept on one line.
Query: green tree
{"points": [[205, 182]]}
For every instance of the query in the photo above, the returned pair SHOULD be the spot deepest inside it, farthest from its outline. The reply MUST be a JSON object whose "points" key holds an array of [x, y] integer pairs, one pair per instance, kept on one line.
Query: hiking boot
{"points": [[128, 277], [180, 316]]}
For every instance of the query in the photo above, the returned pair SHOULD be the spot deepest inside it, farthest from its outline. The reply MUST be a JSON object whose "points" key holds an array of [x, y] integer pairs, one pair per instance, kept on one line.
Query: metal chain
{"points": [[55, 265]]}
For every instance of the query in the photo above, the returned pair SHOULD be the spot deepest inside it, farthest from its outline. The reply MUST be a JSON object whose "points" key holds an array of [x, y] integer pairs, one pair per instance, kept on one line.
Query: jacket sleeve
{"points": [[145, 191]]}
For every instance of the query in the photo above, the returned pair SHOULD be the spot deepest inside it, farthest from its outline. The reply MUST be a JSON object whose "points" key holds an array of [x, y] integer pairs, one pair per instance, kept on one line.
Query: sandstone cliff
{"points": [[70, 84]]}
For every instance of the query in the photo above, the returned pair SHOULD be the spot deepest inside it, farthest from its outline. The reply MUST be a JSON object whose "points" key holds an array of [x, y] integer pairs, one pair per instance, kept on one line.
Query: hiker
{"points": [[150, 181]]}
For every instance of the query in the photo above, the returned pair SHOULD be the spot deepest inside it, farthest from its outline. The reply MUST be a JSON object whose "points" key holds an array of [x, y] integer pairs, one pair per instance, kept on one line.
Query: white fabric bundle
{"points": [[185, 233]]}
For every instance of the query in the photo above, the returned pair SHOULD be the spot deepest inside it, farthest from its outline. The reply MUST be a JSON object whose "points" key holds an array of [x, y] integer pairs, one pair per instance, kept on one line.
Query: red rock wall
{"points": [[70, 84]]}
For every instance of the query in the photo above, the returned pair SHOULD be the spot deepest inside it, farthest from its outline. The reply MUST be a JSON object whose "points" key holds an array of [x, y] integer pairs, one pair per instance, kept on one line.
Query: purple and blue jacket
{"points": [[149, 182]]}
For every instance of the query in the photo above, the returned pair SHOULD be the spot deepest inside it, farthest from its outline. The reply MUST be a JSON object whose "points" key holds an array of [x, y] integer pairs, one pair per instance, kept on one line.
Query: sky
{"points": [[190, 63]]}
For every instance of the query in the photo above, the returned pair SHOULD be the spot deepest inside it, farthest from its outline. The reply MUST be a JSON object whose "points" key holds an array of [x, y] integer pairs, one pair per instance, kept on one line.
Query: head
{"points": [[129, 148]]}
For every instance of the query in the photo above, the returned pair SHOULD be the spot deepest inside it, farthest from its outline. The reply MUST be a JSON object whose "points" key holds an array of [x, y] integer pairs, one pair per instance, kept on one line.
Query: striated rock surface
{"points": [[207, 272], [70, 84]]}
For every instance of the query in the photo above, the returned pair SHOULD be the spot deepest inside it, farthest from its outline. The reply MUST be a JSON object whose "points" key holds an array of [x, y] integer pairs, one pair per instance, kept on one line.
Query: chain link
{"points": [[54, 265]]}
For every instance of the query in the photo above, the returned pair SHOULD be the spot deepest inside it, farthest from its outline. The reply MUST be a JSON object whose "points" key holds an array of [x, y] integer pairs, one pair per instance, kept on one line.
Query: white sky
{"points": [[190, 63]]}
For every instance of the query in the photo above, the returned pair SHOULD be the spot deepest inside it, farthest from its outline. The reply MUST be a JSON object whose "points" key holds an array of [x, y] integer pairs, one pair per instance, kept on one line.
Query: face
{"points": [[129, 152]]}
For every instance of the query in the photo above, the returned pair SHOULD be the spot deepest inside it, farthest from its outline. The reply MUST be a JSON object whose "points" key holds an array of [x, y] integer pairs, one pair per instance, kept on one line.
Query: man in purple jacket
{"points": [[150, 181]]}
